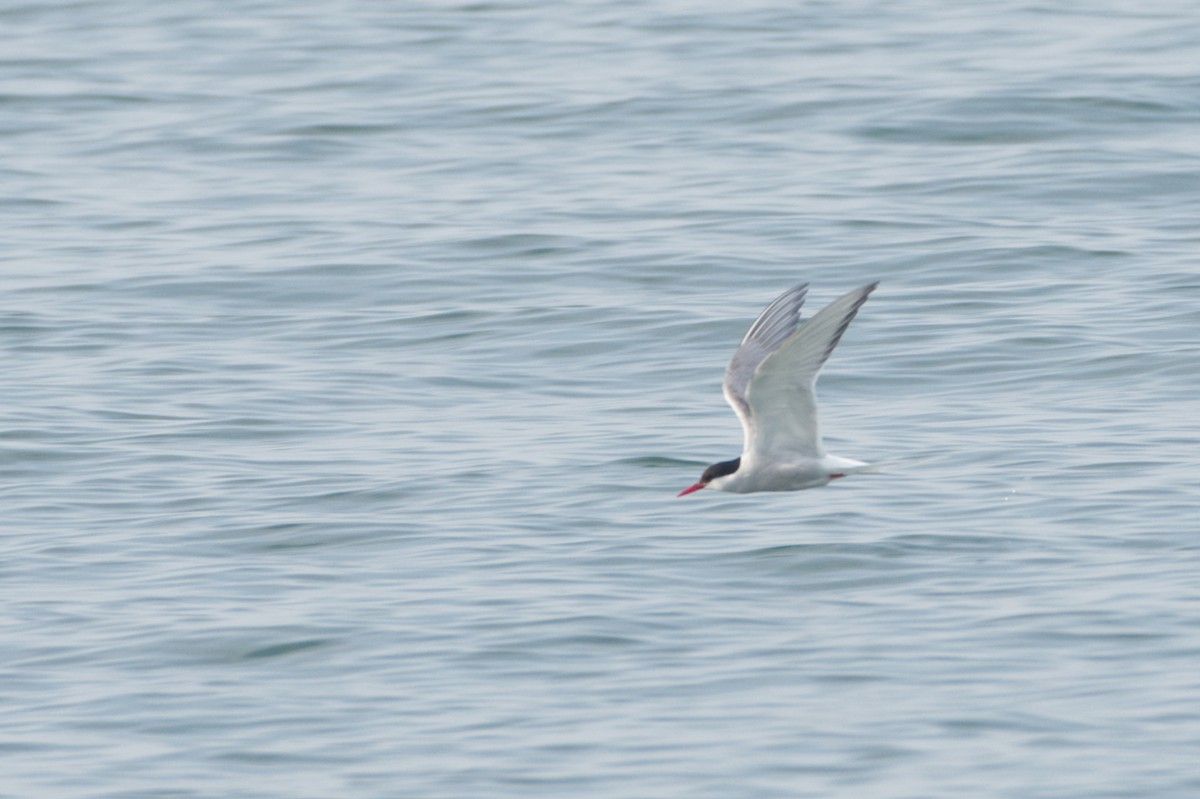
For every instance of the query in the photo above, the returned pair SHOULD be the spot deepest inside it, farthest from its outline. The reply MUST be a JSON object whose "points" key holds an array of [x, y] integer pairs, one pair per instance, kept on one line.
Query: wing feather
{"points": [[780, 395], [777, 321]]}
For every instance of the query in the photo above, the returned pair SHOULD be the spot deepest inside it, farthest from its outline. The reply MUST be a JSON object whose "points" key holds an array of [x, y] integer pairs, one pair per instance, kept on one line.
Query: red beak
{"points": [[690, 489]]}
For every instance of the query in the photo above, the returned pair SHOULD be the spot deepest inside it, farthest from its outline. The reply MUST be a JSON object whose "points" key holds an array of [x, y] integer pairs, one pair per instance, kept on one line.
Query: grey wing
{"points": [[782, 396], [770, 329]]}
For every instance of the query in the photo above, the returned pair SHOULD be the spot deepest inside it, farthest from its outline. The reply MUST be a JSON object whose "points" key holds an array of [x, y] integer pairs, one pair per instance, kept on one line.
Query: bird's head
{"points": [[714, 476]]}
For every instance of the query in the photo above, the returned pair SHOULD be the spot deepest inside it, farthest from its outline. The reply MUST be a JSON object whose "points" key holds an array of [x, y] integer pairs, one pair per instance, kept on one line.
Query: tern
{"points": [[770, 382]]}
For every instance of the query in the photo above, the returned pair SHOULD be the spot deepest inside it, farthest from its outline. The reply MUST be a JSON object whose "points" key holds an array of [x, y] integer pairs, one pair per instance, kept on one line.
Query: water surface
{"points": [[354, 356]]}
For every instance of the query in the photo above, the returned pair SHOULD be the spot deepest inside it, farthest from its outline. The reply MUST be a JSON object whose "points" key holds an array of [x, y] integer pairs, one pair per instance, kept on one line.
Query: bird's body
{"points": [[770, 383]]}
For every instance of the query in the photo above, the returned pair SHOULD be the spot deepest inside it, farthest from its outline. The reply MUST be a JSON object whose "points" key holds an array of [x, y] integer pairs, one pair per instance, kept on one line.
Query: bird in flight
{"points": [[770, 382]]}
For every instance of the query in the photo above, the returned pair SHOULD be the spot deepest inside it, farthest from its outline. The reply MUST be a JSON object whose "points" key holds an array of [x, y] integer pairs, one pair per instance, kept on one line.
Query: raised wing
{"points": [[780, 393], [773, 325]]}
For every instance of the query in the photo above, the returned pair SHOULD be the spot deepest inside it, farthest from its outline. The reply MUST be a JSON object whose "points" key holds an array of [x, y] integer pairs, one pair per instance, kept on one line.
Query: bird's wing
{"points": [[780, 395], [773, 325]]}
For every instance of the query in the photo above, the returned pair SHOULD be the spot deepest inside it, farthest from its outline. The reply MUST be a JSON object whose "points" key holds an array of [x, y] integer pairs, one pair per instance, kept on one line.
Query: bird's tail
{"points": [[892, 465]]}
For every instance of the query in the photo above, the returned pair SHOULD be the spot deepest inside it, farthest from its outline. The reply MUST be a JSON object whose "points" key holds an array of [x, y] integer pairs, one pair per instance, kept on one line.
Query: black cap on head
{"points": [[720, 470]]}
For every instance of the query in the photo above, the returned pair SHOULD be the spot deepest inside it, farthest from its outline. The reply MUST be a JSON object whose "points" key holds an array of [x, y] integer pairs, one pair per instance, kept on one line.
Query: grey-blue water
{"points": [[353, 355]]}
